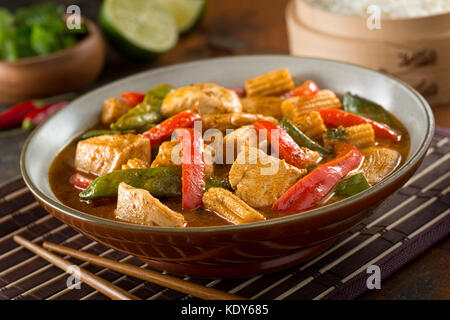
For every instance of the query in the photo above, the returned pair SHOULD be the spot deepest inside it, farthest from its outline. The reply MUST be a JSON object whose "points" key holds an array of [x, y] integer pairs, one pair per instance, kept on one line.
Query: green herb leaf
{"points": [[43, 41], [38, 14], [366, 108], [35, 30], [336, 133]]}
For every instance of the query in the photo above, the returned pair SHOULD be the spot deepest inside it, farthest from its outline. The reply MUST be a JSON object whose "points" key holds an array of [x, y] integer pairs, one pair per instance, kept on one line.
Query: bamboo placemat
{"points": [[409, 222]]}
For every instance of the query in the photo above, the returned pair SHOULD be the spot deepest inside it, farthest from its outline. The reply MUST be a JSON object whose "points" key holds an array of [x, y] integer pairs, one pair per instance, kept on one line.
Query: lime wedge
{"points": [[139, 29], [186, 12]]}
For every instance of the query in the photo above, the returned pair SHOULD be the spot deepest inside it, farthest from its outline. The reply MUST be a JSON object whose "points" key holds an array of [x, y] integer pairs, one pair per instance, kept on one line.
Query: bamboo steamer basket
{"points": [[415, 50]]}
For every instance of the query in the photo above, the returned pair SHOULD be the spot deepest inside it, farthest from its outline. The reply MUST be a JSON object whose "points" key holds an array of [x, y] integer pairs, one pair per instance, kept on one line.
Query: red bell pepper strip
{"points": [[315, 186], [38, 115], [133, 98], [337, 117], [79, 181], [162, 131], [308, 89], [193, 168], [14, 116], [287, 147]]}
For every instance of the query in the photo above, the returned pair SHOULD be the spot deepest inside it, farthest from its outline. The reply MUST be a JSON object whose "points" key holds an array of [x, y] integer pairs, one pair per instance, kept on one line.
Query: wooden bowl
{"points": [[237, 250], [66, 70]]}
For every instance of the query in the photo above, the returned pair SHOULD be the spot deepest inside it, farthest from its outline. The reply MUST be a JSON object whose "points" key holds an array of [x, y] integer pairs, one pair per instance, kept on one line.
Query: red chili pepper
{"points": [[162, 131], [315, 186], [287, 147], [308, 89], [337, 117], [79, 181], [193, 168], [38, 115], [133, 98], [14, 116]]}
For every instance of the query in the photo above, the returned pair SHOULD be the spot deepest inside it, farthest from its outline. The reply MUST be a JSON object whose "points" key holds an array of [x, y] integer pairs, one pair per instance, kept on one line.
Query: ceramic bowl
{"points": [[66, 70], [242, 250]]}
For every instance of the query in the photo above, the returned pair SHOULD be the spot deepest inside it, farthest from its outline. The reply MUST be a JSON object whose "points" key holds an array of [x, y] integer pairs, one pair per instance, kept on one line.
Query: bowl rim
{"points": [[93, 31], [395, 176]]}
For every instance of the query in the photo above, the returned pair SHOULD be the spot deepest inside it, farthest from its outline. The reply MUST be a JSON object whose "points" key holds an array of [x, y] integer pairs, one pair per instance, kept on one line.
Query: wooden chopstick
{"points": [[87, 277], [187, 287]]}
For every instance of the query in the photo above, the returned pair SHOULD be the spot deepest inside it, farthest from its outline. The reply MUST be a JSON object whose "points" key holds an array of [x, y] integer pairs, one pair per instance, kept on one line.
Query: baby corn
{"points": [[295, 107], [360, 135], [311, 124], [274, 83], [267, 106], [230, 206]]}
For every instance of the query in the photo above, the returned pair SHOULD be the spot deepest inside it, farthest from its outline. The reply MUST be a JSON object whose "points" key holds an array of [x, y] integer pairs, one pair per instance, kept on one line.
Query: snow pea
{"points": [[300, 138], [97, 133], [147, 113], [160, 182]]}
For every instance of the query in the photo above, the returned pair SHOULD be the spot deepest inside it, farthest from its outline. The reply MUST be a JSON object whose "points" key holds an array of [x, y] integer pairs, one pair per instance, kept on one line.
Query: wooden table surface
{"points": [[236, 27]]}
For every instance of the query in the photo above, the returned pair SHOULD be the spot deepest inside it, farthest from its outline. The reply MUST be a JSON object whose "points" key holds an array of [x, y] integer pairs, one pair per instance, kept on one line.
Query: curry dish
{"points": [[205, 155]]}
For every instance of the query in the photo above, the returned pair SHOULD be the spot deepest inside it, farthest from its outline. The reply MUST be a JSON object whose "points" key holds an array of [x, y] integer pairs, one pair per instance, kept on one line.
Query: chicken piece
{"points": [[260, 179], [113, 109], [140, 207], [379, 162], [164, 158], [242, 138], [169, 155], [104, 154], [135, 163], [267, 106], [232, 120], [230, 207], [211, 98]]}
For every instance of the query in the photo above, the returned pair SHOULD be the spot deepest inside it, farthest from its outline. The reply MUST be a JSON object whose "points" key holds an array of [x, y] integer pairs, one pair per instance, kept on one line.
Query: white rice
{"points": [[392, 9]]}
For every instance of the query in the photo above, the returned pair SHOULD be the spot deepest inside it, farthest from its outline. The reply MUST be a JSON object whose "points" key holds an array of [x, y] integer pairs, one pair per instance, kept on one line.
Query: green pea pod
{"points": [[217, 182], [160, 182], [366, 108], [353, 185], [300, 138], [97, 133], [147, 113]]}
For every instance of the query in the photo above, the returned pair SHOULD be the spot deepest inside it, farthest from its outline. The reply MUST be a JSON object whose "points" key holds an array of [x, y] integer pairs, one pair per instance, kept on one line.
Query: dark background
{"points": [[236, 27]]}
